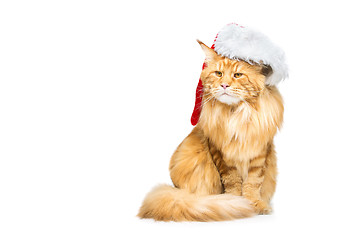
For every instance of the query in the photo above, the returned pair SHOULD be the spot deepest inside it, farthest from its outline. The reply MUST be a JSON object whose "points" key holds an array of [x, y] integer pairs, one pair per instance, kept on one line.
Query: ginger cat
{"points": [[226, 167]]}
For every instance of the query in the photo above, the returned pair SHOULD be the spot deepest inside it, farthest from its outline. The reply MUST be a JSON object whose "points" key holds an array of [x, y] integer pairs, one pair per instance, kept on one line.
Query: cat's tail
{"points": [[166, 203]]}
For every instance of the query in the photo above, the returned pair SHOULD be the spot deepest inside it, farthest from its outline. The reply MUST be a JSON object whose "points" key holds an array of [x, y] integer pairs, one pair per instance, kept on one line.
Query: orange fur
{"points": [[226, 167]]}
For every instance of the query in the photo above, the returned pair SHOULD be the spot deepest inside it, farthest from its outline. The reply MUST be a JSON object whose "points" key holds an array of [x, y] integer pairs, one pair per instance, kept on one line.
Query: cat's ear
{"points": [[265, 70], [209, 53]]}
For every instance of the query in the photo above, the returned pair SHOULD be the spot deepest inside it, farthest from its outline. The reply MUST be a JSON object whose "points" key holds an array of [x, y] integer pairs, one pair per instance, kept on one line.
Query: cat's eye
{"points": [[237, 75], [218, 73]]}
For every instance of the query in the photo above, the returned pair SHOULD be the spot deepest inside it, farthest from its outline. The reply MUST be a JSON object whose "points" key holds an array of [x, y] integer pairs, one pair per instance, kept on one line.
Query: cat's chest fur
{"points": [[242, 133]]}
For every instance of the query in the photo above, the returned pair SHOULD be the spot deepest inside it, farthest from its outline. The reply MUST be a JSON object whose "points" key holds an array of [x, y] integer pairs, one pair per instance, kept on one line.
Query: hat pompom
{"points": [[240, 43]]}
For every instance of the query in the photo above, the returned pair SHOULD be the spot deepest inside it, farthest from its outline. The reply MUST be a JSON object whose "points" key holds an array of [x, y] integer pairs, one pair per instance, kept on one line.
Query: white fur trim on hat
{"points": [[236, 42]]}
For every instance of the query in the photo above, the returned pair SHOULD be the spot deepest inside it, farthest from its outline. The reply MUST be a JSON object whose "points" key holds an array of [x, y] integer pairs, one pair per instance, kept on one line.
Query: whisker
{"points": [[247, 91], [207, 100], [207, 94]]}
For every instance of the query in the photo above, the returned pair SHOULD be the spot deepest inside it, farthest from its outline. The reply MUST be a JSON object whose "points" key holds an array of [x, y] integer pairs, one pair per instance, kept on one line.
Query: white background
{"points": [[96, 95]]}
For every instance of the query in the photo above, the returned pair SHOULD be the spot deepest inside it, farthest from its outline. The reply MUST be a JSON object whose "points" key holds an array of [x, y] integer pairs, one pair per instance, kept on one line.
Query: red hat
{"points": [[240, 43]]}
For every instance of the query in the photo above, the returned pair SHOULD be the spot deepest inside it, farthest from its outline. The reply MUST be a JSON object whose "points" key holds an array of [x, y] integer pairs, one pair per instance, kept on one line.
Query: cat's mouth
{"points": [[228, 98]]}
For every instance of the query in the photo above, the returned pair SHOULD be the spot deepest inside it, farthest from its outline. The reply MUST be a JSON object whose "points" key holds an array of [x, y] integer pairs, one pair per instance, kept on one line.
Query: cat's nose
{"points": [[225, 85]]}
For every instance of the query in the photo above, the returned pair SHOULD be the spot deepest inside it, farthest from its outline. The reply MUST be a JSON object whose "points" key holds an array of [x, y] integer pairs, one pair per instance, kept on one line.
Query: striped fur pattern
{"points": [[226, 167]]}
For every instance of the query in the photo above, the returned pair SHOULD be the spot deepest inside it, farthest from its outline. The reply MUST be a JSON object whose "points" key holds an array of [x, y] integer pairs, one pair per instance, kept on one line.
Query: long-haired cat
{"points": [[226, 167]]}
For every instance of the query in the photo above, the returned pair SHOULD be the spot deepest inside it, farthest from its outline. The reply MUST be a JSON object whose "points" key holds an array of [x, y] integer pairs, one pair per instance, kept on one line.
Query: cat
{"points": [[226, 167]]}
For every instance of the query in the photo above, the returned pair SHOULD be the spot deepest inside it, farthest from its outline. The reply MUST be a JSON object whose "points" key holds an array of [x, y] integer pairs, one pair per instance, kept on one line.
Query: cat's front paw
{"points": [[261, 207]]}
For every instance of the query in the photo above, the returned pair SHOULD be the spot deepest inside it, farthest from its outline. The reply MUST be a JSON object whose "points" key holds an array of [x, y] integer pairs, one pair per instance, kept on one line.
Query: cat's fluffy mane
{"points": [[243, 129]]}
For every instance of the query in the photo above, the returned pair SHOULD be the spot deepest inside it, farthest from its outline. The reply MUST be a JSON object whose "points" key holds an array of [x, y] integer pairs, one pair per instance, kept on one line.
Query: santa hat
{"points": [[240, 43]]}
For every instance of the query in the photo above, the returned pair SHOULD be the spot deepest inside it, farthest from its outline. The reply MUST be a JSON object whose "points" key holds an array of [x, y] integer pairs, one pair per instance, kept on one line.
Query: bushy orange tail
{"points": [[166, 203]]}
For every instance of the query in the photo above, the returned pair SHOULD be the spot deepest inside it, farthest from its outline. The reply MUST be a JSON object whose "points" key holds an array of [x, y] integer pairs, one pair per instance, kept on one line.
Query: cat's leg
{"points": [[229, 175], [269, 183], [192, 168], [252, 186]]}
